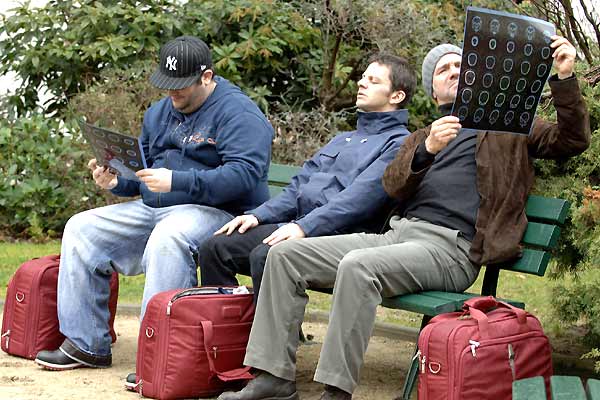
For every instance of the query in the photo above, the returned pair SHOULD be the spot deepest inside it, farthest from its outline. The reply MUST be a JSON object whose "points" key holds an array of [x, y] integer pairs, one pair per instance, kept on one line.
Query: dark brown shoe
{"points": [[264, 387], [333, 393]]}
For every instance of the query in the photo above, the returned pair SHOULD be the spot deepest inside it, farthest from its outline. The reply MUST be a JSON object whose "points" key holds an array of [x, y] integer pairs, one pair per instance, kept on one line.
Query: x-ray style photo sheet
{"points": [[122, 153], [506, 61]]}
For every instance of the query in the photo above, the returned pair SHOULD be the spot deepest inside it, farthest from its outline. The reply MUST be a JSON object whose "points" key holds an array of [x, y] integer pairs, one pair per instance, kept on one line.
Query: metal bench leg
{"points": [[413, 370]]}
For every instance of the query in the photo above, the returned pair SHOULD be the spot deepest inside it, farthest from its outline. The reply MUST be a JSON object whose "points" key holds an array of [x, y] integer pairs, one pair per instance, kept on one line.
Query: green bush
{"points": [[576, 292], [64, 45], [43, 178]]}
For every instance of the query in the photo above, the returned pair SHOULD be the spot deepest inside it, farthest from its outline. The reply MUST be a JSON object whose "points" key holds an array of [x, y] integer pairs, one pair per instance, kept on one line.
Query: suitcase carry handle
{"points": [[232, 375], [478, 306]]}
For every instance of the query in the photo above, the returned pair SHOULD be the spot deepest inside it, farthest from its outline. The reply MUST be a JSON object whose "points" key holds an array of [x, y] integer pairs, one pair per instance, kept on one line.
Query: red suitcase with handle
{"points": [[478, 353], [30, 319], [192, 342]]}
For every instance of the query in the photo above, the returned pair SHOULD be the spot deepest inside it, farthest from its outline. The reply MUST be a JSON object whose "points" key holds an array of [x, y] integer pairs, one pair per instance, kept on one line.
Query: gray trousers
{"points": [[362, 268]]}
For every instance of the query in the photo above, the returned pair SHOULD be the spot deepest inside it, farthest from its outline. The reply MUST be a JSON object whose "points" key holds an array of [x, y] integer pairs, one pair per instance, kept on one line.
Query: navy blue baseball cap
{"points": [[182, 61]]}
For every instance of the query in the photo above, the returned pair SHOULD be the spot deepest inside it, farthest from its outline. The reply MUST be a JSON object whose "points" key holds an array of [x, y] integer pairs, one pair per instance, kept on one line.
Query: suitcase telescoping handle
{"points": [[232, 375], [478, 306]]}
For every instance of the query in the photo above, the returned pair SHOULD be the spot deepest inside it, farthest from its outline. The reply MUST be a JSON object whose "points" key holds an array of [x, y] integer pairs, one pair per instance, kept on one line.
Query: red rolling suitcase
{"points": [[30, 320], [478, 353], [192, 342]]}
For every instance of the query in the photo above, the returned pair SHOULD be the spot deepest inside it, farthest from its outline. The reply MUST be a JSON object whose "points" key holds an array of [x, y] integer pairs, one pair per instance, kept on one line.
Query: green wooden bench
{"points": [[561, 387], [545, 216]]}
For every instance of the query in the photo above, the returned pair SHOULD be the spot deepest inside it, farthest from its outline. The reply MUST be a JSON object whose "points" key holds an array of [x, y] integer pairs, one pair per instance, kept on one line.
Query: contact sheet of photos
{"points": [[120, 152], [505, 63]]}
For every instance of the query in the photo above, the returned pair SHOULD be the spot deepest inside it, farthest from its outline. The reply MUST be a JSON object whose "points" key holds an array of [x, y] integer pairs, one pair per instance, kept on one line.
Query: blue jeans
{"points": [[131, 239]]}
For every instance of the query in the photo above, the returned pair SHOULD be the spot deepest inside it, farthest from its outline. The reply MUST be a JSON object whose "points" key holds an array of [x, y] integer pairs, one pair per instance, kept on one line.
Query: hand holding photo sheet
{"points": [[122, 153], [506, 61]]}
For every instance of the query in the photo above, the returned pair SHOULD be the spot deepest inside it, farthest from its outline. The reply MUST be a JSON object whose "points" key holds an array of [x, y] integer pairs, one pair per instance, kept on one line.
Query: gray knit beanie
{"points": [[431, 60]]}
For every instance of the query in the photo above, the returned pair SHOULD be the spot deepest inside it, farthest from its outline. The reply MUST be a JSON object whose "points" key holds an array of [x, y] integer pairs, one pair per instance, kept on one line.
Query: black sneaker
{"points": [[69, 356], [57, 361]]}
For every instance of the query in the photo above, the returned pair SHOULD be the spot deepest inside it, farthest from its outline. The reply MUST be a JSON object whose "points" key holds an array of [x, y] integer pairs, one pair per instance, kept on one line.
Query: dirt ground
{"points": [[21, 379]]}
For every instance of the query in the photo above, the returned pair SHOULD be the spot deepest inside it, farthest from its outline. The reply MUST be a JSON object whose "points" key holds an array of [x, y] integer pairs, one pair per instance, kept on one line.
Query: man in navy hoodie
{"points": [[338, 190], [207, 147]]}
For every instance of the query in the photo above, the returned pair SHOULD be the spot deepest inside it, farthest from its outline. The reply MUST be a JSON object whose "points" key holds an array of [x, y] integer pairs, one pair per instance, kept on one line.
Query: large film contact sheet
{"points": [[122, 153], [506, 61]]}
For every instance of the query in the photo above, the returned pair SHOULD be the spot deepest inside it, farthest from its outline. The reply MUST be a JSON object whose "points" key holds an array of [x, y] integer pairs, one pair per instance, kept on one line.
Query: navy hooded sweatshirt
{"points": [[219, 154], [339, 189]]}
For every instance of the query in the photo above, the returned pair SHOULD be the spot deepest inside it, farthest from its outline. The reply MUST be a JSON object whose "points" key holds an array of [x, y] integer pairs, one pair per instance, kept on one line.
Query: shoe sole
{"points": [[130, 386], [293, 396], [59, 367]]}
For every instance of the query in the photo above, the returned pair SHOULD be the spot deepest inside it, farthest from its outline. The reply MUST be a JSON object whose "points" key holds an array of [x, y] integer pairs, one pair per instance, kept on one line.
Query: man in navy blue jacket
{"points": [[338, 190], [207, 147]]}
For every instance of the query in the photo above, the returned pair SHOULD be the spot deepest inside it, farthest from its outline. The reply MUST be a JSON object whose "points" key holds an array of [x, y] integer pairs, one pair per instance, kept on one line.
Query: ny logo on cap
{"points": [[171, 63]]}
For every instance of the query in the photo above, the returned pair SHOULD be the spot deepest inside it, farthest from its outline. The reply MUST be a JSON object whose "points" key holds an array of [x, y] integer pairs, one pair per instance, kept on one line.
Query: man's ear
{"points": [[207, 76], [397, 97]]}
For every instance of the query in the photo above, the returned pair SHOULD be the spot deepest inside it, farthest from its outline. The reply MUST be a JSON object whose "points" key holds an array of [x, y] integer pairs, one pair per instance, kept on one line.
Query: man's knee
{"points": [[77, 224], [354, 264], [258, 257]]}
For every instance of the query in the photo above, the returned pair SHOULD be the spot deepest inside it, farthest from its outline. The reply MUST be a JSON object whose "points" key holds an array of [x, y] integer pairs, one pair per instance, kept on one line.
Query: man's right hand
{"points": [[443, 131], [244, 222], [102, 175]]}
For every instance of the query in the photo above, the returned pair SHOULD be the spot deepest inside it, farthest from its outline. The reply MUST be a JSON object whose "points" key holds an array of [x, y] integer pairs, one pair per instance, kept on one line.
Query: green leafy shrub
{"points": [[65, 44], [576, 294], [43, 178]]}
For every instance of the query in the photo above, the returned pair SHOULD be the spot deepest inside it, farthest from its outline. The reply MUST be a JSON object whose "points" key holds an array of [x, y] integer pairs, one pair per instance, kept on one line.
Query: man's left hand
{"points": [[564, 56], [157, 180], [287, 231]]}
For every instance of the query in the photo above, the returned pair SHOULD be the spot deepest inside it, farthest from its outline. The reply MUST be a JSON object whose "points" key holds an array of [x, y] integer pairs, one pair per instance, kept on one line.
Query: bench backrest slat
{"points": [[541, 235], [532, 262], [547, 209], [281, 175]]}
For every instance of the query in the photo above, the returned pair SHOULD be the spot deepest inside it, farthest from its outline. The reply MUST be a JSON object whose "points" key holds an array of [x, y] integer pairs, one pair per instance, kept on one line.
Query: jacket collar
{"points": [[445, 109], [373, 123]]}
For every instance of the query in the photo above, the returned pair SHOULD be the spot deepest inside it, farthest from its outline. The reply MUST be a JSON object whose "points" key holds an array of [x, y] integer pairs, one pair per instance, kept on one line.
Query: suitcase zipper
{"points": [[493, 342], [191, 292], [511, 360], [162, 345], [7, 336], [474, 345], [34, 310]]}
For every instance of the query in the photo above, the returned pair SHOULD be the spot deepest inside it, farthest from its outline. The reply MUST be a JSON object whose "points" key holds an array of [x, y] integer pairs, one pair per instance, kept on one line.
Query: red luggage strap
{"points": [[225, 376], [478, 306]]}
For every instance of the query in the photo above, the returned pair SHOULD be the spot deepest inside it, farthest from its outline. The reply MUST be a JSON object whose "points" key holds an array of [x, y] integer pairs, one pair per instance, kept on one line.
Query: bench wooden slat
{"points": [[275, 190], [547, 209], [541, 235], [593, 389], [533, 262], [421, 304], [529, 389], [281, 175], [566, 388], [460, 298]]}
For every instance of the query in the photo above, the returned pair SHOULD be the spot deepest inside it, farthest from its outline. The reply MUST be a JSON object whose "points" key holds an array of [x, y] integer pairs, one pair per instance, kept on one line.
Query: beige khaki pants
{"points": [[362, 268]]}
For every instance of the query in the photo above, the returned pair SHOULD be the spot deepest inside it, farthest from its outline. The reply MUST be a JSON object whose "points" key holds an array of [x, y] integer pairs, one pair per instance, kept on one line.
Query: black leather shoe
{"points": [[56, 361], [333, 393], [69, 356], [130, 382], [264, 387]]}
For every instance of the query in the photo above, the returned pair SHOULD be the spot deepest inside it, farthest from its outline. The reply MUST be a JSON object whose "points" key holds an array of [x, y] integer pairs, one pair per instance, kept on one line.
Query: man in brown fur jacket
{"points": [[463, 192]]}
